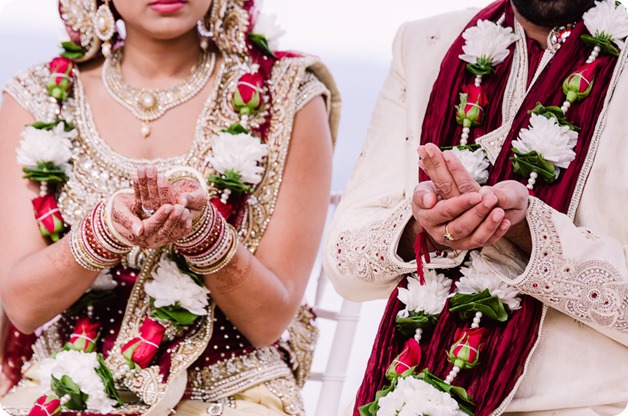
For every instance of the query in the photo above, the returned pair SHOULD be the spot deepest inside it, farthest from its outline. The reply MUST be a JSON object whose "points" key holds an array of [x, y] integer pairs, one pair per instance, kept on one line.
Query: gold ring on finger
{"points": [[448, 236]]}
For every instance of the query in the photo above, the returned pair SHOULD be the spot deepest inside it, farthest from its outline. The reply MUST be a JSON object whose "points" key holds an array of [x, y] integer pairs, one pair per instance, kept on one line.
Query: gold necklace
{"points": [[150, 104]]}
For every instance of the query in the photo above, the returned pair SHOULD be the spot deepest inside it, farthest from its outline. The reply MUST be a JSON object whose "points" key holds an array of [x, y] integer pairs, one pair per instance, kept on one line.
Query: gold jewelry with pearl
{"points": [[150, 104], [104, 27]]}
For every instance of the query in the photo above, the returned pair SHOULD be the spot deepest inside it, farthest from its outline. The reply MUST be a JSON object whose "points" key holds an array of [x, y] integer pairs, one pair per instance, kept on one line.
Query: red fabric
{"points": [[507, 345]]}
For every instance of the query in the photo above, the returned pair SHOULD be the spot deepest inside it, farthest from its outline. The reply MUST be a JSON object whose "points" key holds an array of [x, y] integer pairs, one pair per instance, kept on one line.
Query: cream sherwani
{"points": [[580, 363]]}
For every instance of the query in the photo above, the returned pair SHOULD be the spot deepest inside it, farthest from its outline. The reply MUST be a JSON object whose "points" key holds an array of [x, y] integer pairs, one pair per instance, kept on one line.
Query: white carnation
{"points": [[104, 281], [80, 367], [171, 287], [550, 140], [266, 25], [241, 153], [43, 146], [428, 298], [475, 162], [414, 397], [477, 276], [487, 41], [606, 20]]}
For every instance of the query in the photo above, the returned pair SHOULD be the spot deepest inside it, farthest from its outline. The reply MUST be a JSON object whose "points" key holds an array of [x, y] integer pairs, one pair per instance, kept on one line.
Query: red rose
{"points": [[465, 352], [46, 406], [409, 357], [61, 75], [248, 96], [578, 85], [141, 349], [84, 336], [470, 112], [48, 216], [225, 209]]}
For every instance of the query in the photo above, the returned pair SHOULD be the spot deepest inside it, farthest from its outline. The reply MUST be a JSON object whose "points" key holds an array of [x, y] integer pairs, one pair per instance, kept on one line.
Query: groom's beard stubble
{"points": [[551, 13]]}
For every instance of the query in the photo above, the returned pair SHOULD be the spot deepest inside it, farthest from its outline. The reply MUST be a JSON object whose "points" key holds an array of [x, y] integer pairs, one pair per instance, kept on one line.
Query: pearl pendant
{"points": [[145, 130], [148, 100]]}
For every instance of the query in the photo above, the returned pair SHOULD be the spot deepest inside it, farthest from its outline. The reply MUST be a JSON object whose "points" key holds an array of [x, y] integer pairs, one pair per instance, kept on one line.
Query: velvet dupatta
{"points": [[507, 346]]}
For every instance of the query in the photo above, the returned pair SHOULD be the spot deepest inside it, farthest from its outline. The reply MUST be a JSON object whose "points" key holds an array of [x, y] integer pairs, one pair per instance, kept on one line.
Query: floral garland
{"points": [[178, 295], [542, 149], [546, 146]]}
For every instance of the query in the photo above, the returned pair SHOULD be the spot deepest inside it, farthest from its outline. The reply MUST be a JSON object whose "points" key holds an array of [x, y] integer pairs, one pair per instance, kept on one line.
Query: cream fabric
{"points": [[581, 362]]}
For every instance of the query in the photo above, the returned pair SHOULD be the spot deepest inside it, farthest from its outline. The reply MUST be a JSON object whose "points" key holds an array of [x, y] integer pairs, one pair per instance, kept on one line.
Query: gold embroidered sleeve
{"points": [[577, 272], [309, 88]]}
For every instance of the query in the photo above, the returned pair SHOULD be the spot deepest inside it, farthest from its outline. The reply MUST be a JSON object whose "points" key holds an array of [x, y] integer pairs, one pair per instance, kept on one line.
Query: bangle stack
{"points": [[211, 246], [93, 244]]}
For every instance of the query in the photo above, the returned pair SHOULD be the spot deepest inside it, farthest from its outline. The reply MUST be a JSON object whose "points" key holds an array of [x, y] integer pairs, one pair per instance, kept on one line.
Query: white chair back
{"points": [[346, 319]]}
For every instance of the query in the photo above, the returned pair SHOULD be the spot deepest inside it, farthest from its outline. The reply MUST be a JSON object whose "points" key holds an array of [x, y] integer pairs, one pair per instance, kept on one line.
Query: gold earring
{"points": [[104, 26]]}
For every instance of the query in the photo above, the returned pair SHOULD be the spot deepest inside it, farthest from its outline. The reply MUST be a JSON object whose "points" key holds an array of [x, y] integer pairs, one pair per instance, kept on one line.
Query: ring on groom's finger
{"points": [[147, 211], [448, 236]]}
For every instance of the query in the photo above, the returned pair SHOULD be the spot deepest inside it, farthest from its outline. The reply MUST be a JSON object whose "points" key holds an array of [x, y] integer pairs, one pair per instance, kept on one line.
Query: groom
{"points": [[518, 114]]}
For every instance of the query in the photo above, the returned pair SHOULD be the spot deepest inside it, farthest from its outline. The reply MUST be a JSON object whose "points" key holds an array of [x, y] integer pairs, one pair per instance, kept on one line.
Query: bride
{"points": [[179, 167]]}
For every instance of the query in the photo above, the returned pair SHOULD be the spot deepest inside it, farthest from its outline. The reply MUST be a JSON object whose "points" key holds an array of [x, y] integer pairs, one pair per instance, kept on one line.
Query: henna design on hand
{"points": [[235, 274]]}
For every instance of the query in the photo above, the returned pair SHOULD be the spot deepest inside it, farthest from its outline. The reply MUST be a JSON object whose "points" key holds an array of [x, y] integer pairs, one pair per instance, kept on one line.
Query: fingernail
{"points": [[136, 229], [178, 209], [505, 225], [446, 156], [186, 212], [489, 201], [430, 152], [188, 224], [167, 208], [498, 216], [426, 200], [475, 198]]}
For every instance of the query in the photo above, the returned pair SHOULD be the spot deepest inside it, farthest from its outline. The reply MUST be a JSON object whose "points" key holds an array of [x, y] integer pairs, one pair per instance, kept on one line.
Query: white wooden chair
{"points": [[346, 319]]}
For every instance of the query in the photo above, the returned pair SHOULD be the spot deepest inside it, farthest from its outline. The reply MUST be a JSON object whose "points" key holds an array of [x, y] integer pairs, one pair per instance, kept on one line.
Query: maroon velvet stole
{"points": [[508, 345]]}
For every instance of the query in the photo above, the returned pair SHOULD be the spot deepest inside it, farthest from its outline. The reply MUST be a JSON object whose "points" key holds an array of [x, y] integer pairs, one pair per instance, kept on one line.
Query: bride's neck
{"points": [[150, 62]]}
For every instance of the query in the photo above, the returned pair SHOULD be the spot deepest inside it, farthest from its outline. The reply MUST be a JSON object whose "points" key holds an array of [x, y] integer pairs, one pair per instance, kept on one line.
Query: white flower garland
{"points": [[80, 367], [608, 20], [414, 397], [171, 287], [429, 298], [477, 276], [488, 42], [475, 162], [240, 153], [266, 25], [46, 146]]}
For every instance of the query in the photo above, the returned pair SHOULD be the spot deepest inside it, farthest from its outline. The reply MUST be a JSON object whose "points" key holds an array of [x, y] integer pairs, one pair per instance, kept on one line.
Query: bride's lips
{"points": [[167, 6]]}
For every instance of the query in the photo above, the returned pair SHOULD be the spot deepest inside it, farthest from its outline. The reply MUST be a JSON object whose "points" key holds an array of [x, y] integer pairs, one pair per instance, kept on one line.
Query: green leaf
{"points": [[603, 42], [40, 125], [229, 180], [262, 44], [467, 305], [477, 69], [91, 298], [459, 394], [408, 326], [553, 112], [44, 172], [371, 409], [72, 51], [524, 164], [78, 399], [107, 378], [174, 314], [236, 128]]}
